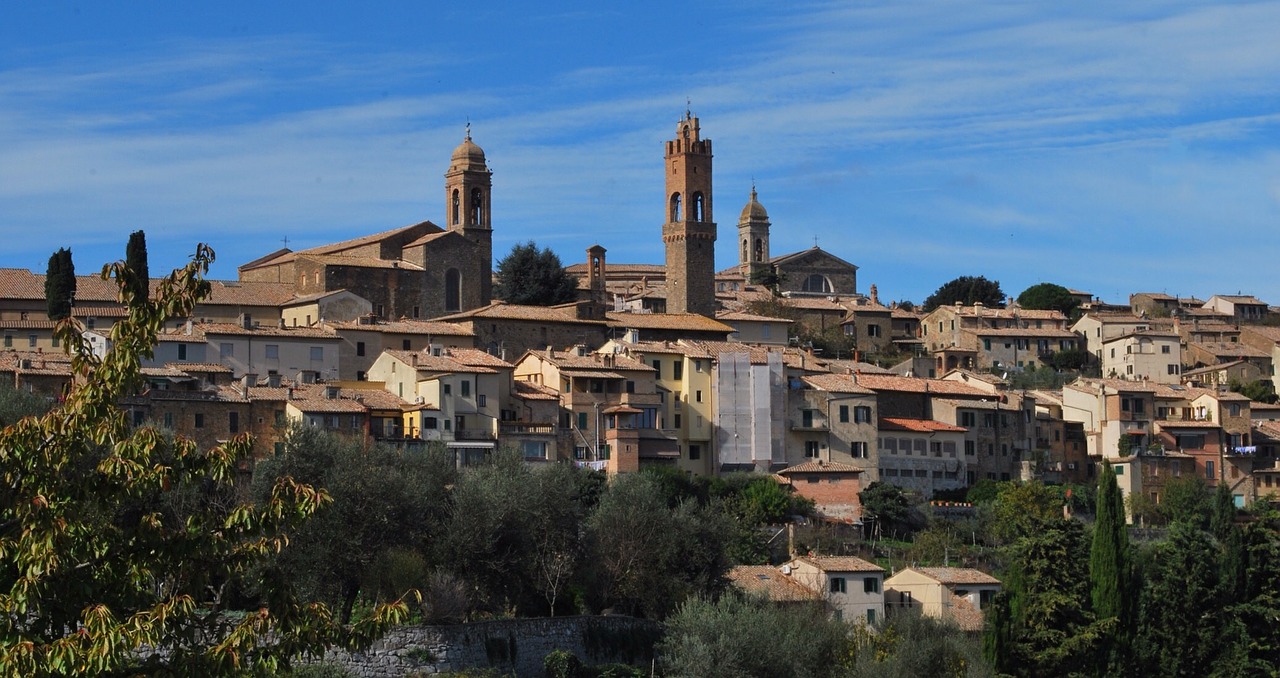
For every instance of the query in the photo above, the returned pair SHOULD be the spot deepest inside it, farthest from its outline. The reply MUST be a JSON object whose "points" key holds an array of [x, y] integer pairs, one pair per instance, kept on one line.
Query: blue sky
{"points": [[1109, 147]]}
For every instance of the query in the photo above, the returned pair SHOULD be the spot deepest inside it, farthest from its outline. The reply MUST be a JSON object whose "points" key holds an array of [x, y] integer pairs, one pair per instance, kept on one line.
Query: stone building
{"points": [[417, 271]]}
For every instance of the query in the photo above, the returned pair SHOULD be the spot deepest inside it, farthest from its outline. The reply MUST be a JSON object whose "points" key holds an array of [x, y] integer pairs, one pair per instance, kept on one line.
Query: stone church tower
{"points": [[753, 237], [467, 187], [690, 230]]}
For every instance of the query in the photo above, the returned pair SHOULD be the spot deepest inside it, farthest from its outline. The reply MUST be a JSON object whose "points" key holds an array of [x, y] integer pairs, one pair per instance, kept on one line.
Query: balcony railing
{"points": [[473, 434], [527, 428], [802, 425]]}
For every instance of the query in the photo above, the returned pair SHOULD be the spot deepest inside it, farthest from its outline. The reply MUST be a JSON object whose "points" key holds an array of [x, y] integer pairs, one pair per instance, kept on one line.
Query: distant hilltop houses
{"points": [[397, 336]]}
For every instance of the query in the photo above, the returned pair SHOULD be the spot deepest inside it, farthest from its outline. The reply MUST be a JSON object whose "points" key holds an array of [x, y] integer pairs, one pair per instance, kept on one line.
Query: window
{"points": [[317, 353], [817, 283], [359, 348], [448, 389], [1172, 369], [695, 452], [697, 396], [168, 420], [182, 351], [273, 351], [430, 423], [466, 388], [1235, 409], [1164, 348], [970, 448], [838, 585], [199, 420], [871, 616], [810, 449], [871, 585], [582, 420], [861, 414], [406, 346], [677, 370], [452, 290], [858, 449], [1208, 470], [233, 422], [481, 399], [968, 419], [657, 369], [1119, 469], [226, 349], [844, 414], [873, 330]]}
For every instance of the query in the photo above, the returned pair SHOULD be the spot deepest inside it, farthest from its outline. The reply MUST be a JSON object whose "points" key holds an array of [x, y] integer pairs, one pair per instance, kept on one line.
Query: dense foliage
{"points": [[966, 289], [535, 277], [123, 549], [1049, 297], [60, 284], [136, 260]]}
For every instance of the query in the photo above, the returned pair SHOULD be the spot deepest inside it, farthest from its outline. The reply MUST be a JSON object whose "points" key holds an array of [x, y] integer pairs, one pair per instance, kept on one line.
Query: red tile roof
{"points": [[917, 425]]}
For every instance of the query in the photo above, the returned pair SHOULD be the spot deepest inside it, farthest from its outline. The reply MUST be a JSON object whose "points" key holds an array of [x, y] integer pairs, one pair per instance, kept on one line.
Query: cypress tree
{"points": [[136, 259], [60, 284], [1109, 561]]}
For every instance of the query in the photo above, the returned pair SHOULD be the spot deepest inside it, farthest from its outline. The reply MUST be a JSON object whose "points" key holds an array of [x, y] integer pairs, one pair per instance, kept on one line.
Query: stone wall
{"points": [[512, 646]]}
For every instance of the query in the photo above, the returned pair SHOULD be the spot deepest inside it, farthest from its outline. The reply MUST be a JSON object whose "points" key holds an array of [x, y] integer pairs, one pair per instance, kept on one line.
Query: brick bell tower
{"points": [[467, 187], [689, 232]]}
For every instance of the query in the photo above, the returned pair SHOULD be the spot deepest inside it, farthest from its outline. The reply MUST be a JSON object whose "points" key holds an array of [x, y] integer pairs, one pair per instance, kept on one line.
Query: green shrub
{"points": [[561, 664]]}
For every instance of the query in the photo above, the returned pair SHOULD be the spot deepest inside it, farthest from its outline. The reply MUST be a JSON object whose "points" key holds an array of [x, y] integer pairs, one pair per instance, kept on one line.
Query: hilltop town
{"points": [[397, 335], [781, 366]]}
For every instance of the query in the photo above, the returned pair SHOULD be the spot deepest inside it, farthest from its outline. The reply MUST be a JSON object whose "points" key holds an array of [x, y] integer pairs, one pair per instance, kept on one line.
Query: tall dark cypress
{"points": [[1109, 562], [136, 260], [60, 284]]}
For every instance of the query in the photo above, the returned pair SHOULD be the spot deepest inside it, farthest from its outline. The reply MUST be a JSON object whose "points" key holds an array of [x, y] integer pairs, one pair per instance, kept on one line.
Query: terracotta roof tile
{"points": [[917, 425], [821, 467], [406, 326], [499, 310], [957, 575], [841, 564], [836, 383], [668, 321], [530, 391], [942, 387], [770, 582]]}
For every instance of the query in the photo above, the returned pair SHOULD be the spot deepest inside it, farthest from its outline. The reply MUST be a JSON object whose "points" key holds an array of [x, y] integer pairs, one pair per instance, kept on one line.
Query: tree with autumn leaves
{"points": [[122, 547]]}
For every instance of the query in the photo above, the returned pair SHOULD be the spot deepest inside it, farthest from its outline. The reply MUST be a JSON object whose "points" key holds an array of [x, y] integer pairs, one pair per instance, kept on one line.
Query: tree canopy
{"points": [[967, 290], [60, 284], [535, 277], [1049, 297], [123, 547]]}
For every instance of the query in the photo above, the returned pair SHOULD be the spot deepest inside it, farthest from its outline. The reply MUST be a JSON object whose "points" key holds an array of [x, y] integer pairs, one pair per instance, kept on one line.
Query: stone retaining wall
{"points": [[512, 646]]}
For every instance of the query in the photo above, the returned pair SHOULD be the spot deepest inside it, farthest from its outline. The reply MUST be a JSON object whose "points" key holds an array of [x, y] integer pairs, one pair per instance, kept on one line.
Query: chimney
{"points": [[249, 379], [290, 394], [413, 359], [273, 379], [875, 295], [281, 324], [187, 327], [978, 307]]}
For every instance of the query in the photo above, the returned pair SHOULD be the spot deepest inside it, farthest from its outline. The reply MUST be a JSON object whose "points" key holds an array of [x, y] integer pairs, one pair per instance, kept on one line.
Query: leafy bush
{"points": [[561, 664]]}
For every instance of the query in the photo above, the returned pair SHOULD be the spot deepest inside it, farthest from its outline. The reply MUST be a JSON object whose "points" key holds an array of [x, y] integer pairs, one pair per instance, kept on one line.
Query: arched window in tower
{"points": [[457, 207], [477, 207], [675, 207], [817, 283], [759, 255], [744, 251], [695, 208], [452, 290]]}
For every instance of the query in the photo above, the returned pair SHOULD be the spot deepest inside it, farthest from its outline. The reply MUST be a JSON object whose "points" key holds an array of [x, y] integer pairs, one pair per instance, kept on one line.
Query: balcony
{"points": [[812, 426], [1242, 450], [525, 428], [473, 434]]}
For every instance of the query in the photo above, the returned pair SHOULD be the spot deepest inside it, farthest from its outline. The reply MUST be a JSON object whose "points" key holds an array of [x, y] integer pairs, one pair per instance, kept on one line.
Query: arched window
{"points": [[452, 290], [817, 283], [759, 249], [457, 207], [696, 207], [744, 251], [675, 207], [477, 207]]}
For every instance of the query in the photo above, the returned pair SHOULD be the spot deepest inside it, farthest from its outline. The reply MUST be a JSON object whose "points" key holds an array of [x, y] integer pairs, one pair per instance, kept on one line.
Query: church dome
{"points": [[754, 211], [468, 155]]}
